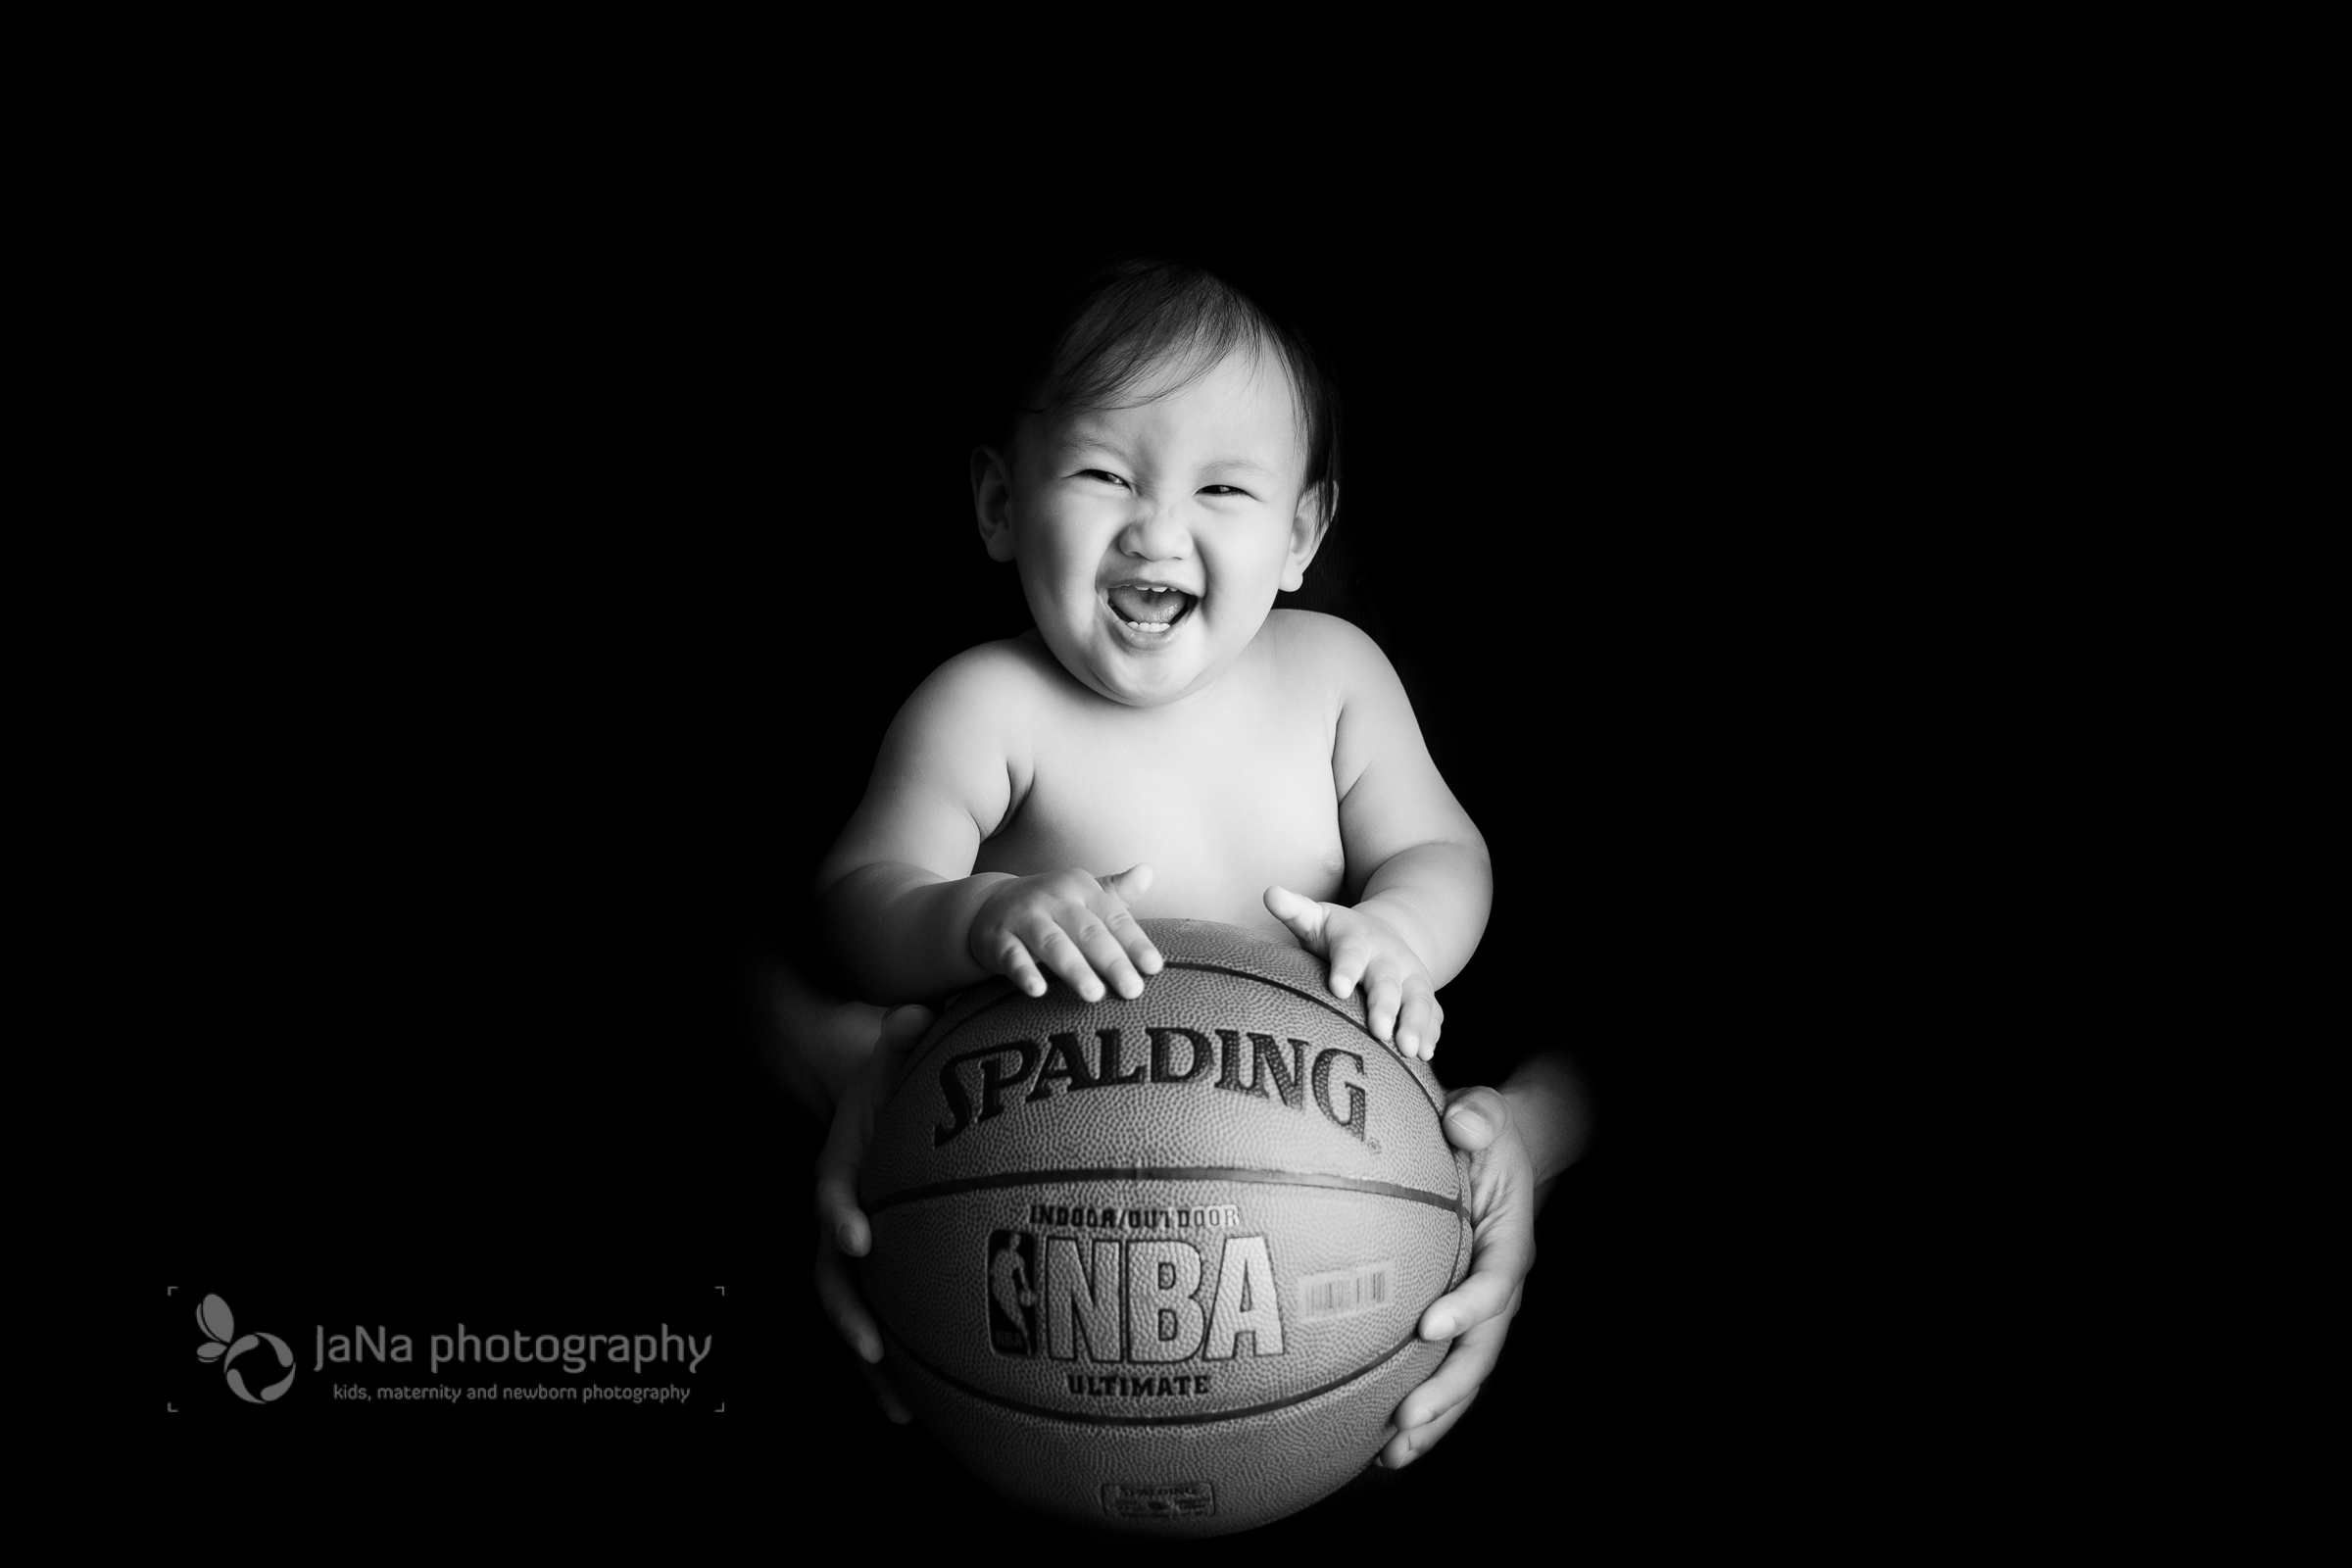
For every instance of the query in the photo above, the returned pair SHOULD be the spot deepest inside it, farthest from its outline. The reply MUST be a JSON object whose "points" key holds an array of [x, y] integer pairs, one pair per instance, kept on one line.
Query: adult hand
{"points": [[1475, 1316], [843, 1231]]}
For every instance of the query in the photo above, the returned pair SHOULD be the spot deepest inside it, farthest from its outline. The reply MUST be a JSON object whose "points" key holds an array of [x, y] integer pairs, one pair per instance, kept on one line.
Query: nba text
{"points": [[1156, 1301]]}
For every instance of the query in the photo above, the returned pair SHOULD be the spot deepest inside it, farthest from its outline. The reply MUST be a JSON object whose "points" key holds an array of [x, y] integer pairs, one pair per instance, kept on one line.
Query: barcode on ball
{"points": [[1364, 1289]]}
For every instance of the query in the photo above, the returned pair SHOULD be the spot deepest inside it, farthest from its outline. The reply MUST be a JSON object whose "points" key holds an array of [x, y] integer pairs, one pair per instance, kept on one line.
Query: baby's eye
{"points": [[1222, 490], [1105, 475]]}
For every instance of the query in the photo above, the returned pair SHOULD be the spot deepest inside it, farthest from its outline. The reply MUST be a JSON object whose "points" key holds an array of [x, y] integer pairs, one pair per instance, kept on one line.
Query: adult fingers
{"points": [[1458, 1377], [839, 1164], [886, 1396], [1475, 1118], [1406, 1446], [903, 1028], [1419, 1020], [1502, 1256], [839, 1219], [844, 1307], [838, 1215]]}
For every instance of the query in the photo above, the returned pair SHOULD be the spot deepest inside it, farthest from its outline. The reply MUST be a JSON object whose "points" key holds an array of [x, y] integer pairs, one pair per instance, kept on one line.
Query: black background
{"points": [[1737, 495]]}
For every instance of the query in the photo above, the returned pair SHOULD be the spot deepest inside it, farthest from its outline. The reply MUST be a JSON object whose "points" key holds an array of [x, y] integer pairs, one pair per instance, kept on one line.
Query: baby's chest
{"points": [[1219, 811]]}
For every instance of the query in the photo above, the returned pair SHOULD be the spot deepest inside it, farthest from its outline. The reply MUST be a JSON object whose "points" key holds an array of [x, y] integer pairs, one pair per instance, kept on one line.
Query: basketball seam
{"points": [[1079, 1418], [1465, 1235], [1242, 1175]]}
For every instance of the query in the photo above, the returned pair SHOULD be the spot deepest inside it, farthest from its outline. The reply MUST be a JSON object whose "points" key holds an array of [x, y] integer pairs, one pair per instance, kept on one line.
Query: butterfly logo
{"points": [[221, 1326]]}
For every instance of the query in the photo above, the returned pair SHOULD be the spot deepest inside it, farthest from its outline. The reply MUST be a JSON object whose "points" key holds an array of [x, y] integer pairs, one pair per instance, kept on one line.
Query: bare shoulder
{"points": [[992, 682], [965, 730], [1371, 717], [951, 763], [1008, 665], [1334, 656], [1309, 640]]}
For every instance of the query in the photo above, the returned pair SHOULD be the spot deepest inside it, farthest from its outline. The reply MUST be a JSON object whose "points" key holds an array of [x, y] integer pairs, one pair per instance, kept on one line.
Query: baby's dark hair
{"points": [[1105, 336]]}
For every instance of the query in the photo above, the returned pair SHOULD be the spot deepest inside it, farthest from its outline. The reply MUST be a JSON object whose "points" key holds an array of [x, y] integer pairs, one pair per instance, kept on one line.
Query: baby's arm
{"points": [[1416, 861], [907, 918]]}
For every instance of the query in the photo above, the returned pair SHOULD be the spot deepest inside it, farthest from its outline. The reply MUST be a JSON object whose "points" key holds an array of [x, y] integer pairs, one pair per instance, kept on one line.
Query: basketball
{"points": [[1158, 1264]]}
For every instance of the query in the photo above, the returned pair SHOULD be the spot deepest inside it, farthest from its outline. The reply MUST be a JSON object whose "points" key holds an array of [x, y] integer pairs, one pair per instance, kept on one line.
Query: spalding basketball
{"points": [[1158, 1264]]}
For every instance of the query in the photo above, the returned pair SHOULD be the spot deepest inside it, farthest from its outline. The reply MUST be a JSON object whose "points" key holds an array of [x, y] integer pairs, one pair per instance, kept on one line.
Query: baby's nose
{"points": [[1155, 533]]}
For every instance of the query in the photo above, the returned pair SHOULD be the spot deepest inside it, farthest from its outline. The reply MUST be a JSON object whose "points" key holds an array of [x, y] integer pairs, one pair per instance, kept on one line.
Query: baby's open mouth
{"points": [[1149, 607]]}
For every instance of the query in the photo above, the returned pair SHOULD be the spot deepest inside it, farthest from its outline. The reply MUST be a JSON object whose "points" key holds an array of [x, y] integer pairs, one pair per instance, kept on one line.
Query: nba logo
{"points": [[1012, 1292]]}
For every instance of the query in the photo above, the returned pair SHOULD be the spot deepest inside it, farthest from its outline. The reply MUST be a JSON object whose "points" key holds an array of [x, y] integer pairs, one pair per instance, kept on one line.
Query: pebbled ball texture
{"points": [[1157, 1264]]}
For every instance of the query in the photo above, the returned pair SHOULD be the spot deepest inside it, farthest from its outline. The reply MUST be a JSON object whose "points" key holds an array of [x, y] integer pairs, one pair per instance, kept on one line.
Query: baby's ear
{"points": [[991, 501], [1316, 508]]}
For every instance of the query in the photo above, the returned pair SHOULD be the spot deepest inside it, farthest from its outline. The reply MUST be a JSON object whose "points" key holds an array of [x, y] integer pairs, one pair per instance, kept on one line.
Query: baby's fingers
{"points": [[1303, 915], [1128, 932], [1129, 885], [1010, 956], [1350, 957], [1383, 996], [1105, 956], [1119, 892], [1419, 1020], [1065, 959]]}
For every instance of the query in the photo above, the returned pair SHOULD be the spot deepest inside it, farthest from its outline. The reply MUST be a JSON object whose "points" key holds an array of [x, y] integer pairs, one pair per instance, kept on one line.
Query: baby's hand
{"points": [[1075, 926], [1401, 1002]]}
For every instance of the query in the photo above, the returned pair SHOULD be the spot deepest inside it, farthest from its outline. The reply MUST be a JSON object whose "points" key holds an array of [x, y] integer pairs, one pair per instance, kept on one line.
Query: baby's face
{"points": [[1151, 540]]}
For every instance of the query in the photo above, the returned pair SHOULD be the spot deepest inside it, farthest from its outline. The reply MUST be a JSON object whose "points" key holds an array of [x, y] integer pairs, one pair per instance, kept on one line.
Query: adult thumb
{"points": [[901, 1028], [1475, 1117]]}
